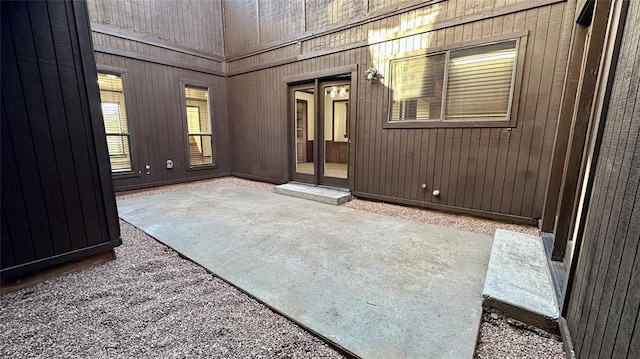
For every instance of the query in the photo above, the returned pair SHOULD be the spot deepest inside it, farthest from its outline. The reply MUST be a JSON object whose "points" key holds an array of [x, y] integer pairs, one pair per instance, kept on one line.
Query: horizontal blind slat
{"points": [[479, 82], [114, 116]]}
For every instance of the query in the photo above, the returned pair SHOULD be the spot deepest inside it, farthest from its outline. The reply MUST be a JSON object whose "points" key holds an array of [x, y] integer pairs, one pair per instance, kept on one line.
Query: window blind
{"points": [[479, 81], [114, 115], [198, 126]]}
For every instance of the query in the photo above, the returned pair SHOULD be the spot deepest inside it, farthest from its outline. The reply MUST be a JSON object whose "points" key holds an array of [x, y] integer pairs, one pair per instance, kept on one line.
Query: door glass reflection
{"points": [[336, 130], [304, 131]]}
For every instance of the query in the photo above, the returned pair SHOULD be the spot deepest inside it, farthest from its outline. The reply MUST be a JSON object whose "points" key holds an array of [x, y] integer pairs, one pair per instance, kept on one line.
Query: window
{"points": [[199, 134], [455, 87], [114, 115]]}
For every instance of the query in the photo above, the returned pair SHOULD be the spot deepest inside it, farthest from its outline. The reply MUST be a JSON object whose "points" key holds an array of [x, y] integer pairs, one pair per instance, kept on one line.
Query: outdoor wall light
{"points": [[335, 91], [372, 74]]}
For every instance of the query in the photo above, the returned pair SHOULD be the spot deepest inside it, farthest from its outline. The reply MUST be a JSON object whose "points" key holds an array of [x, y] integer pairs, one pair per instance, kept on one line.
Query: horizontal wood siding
{"points": [[604, 304], [153, 98], [483, 170], [57, 197], [193, 24]]}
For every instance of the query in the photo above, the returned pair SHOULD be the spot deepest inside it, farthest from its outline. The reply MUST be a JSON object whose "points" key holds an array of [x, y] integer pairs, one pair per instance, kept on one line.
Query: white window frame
{"points": [[184, 83]]}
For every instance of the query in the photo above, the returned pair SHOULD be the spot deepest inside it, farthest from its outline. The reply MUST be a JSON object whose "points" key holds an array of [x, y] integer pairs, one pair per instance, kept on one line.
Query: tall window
{"points": [[114, 115], [471, 84], [199, 134]]}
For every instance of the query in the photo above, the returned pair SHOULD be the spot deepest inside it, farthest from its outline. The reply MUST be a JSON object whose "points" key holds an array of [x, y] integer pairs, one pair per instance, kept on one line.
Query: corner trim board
{"points": [[155, 60]]}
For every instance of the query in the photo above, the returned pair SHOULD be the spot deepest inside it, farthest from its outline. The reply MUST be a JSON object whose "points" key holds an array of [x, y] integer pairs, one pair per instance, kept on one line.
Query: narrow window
{"points": [[114, 115], [199, 136], [456, 86]]}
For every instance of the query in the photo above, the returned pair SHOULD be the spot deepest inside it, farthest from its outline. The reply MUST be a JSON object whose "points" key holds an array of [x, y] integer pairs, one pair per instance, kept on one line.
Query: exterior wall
{"points": [[57, 198], [192, 24], [155, 45], [603, 307], [494, 172], [153, 97]]}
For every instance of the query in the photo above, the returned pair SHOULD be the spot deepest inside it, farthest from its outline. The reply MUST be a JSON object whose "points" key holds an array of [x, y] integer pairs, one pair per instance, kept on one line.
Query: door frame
{"points": [[292, 135], [321, 152], [308, 80]]}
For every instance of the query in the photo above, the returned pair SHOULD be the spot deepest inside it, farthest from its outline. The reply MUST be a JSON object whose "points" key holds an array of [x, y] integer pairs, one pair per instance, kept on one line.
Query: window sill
{"points": [[449, 124], [123, 175], [203, 167]]}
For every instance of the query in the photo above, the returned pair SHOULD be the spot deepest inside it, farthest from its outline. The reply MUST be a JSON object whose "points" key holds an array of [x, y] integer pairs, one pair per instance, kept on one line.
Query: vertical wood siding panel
{"points": [[378, 149], [605, 298], [530, 145], [103, 223], [58, 188], [562, 53], [7, 253], [505, 191], [48, 139], [362, 132], [27, 79], [610, 191], [623, 156], [15, 219]]}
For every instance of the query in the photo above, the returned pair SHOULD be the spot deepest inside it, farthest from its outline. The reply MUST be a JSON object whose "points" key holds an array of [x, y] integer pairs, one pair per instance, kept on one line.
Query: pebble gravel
{"points": [[150, 303], [505, 338]]}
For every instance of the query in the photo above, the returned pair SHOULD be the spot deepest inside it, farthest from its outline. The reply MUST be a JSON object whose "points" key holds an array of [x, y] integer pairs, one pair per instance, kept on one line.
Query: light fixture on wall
{"points": [[372, 74], [335, 91]]}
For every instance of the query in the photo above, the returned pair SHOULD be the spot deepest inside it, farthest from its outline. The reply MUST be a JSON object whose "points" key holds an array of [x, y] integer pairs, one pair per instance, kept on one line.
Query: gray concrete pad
{"points": [[518, 280], [378, 286], [314, 193]]}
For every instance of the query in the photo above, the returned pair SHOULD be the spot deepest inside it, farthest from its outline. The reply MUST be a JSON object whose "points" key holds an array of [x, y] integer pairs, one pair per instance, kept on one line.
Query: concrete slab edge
{"points": [[520, 314], [314, 197], [337, 347]]}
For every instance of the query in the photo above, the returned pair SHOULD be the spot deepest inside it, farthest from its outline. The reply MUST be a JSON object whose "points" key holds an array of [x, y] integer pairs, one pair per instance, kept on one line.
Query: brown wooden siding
{"points": [[190, 23], [257, 25], [152, 51], [604, 304], [57, 198], [478, 170], [157, 124]]}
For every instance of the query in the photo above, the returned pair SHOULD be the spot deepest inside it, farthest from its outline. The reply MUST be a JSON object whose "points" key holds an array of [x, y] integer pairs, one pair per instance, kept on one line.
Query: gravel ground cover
{"points": [[150, 303], [505, 338]]}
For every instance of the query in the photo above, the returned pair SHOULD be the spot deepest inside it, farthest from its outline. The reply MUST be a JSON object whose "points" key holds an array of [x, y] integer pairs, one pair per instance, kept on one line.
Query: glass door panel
{"points": [[336, 129], [304, 131]]}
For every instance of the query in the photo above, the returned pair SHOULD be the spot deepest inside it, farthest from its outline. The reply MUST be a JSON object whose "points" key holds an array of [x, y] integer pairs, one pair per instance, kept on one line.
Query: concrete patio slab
{"points": [[518, 281], [314, 193], [377, 286]]}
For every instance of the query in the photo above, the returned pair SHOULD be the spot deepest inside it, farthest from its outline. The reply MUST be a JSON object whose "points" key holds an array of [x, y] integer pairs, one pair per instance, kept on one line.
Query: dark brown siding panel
{"points": [[493, 170], [153, 99], [246, 34], [604, 304], [49, 118], [190, 23]]}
